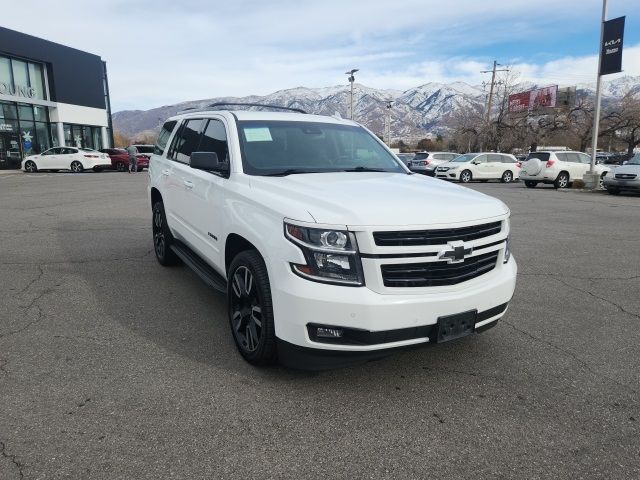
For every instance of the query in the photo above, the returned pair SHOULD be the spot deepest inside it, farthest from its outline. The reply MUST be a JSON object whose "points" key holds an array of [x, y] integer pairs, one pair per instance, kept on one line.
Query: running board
{"points": [[200, 267]]}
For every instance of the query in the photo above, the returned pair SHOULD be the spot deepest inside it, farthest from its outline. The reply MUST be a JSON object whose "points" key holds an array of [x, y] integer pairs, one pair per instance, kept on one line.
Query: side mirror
{"points": [[475, 163], [208, 161], [625, 162]]}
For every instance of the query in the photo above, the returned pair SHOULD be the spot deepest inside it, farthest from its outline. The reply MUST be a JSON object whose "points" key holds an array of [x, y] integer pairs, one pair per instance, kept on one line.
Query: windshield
{"points": [[144, 148], [635, 160], [467, 157], [282, 148]]}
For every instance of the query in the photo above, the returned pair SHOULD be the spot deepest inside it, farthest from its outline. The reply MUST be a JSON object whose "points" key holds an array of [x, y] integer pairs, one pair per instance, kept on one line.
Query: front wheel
{"points": [[562, 181], [507, 177], [250, 308], [530, 183], [31, 167], [465, 176], [76, 167], [120, 167], [162, 238]]}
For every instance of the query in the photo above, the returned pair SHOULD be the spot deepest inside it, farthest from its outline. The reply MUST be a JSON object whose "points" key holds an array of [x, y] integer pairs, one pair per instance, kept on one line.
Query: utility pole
{"points": [[596, 114], [388, 122], [493, 81], [351, 80]]}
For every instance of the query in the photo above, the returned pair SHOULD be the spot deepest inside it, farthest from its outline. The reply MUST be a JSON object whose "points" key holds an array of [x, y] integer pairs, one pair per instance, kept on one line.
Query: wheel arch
{"points": [[233, 245], [156, 196]]}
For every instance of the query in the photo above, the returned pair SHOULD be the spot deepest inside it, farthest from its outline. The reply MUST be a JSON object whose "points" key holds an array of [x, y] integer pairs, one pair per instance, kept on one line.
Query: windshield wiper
{"points": [[290, 171], [364, 169]]}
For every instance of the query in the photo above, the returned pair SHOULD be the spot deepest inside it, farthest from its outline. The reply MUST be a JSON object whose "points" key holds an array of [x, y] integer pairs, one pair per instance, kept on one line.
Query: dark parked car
{"points": [[120, 159]]}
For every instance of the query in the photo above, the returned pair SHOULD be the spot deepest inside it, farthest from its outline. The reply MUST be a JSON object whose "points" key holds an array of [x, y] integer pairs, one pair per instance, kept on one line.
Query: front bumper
{"points": [[448, 175], [633, 184], [298, 302]]}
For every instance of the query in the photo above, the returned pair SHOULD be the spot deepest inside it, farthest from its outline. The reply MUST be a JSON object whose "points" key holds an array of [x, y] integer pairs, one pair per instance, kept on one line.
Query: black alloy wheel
{"points": [[162, 237], [250, 308], [120, 167], [76, 167]]}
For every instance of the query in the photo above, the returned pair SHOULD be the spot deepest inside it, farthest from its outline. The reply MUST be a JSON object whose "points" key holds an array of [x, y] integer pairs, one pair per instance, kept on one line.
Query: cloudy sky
{"points": [[161, 52]]}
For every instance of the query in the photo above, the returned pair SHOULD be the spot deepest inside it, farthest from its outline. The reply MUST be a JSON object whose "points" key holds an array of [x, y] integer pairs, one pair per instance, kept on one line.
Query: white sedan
{"points": [[67, 158]]}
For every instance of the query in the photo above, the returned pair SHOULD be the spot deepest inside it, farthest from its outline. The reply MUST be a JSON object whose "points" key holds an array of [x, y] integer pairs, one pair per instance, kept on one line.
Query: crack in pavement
{"points": [[38, 277], [14, 460], [610, 302], [26, 310], [568, 353], [81, 262], [562, 275]]}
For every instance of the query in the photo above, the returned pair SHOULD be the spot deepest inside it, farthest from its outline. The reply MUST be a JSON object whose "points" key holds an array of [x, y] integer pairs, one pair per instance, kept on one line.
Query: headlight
{"points": [[453, 168], [331, 255]]}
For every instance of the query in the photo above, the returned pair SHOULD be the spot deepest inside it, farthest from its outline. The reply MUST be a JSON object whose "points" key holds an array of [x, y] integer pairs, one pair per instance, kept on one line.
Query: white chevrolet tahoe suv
{"points": [[319, 237]]}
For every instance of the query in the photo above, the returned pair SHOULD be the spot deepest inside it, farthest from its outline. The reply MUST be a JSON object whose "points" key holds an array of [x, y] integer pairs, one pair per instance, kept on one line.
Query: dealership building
{"points": [[50, 95]]}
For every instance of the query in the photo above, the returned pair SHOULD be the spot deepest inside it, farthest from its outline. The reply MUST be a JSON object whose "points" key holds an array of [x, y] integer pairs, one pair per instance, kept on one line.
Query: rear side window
{"points": [[214, 139], [493, 157], [507, 159], [572, 157], [163, 137], [186, 141], [584, 158], [544, 156]]}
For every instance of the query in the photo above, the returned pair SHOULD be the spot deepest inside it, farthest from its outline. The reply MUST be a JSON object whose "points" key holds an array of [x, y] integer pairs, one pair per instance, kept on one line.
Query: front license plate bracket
{"points": [[451, 327]]}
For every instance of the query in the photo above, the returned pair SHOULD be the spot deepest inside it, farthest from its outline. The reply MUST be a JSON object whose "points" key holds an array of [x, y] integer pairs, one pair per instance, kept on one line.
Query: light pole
{"points": [[351, 80], [388, 122]]}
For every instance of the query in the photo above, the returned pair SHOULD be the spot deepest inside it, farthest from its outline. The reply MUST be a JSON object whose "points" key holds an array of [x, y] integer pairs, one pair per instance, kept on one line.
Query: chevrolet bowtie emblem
{"points": [[456, 252]]}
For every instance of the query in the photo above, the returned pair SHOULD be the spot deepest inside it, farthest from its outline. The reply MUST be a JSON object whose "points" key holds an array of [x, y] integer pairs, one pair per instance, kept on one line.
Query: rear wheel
{"points": [[97, 169], [76, 167], [162, 238], [120, 167], [562, 181], [507, 177], [250, 308], [465, 176], [31, 166], [530, 183]]}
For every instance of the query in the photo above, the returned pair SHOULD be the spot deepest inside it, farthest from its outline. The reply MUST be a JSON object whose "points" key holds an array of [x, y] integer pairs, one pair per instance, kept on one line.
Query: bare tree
{"points": [[623, 122]]}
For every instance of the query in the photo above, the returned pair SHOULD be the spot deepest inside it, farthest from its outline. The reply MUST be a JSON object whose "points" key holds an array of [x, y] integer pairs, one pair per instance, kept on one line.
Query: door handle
{"points": [[166, 172], [188, 184]]}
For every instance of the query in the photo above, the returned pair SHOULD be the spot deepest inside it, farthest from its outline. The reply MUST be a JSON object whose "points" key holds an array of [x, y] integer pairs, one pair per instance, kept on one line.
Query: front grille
{"points": [[435, 274], [625, 176], [435, 237], [443, 169]]}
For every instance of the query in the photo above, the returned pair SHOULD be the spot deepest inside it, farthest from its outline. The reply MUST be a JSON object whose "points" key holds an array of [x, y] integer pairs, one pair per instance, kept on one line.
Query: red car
{"points": [[120, 159]]}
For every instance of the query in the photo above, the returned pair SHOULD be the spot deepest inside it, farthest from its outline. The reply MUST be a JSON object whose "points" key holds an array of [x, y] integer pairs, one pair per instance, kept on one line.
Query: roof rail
{"points": [[238, 104]]}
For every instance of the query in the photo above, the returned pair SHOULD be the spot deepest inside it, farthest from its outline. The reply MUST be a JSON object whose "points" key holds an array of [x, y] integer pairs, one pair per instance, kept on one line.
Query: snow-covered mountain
{"points": [[415, 113]]}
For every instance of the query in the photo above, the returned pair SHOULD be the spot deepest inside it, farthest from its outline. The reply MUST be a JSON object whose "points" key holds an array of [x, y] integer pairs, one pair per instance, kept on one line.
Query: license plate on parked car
{"points": [[455, 326]]}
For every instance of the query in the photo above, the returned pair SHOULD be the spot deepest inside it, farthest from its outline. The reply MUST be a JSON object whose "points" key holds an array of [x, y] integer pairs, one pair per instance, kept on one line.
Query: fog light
{"points": [[507, 250], [323, 332]]}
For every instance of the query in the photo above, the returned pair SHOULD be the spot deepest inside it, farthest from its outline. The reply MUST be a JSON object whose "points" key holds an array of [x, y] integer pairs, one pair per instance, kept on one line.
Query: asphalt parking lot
{"points": [[113, 367]]}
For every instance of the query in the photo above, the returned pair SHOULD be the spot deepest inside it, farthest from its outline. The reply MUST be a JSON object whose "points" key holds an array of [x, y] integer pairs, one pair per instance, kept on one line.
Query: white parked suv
{"points": [[480, 166], [558, 168], [319, 237]]}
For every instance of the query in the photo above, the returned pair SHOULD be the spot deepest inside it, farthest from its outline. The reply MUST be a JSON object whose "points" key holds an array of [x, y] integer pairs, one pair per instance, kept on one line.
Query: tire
{"points": [[613, 191], [30, 167], [120, 167], [562, 181], [530, 183], [465, 176], [162, 238], [76, 167], [97, 169], [250, 308], [507, 177], [140, 169]]}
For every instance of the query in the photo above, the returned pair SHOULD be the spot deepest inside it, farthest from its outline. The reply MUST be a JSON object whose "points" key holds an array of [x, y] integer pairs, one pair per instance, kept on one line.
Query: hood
{"points": [[368, 198], [452, 164], [632, 169]]}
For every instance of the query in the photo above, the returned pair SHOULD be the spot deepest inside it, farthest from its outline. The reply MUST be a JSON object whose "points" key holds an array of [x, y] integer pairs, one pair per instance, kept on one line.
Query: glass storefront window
{"points": [[53, 129], [86, 137], [67, 135], [96, 137], [8, 110], [36, 78], [5, 75], [40, 113], [43, 141], [20, 73], [25, 112]]}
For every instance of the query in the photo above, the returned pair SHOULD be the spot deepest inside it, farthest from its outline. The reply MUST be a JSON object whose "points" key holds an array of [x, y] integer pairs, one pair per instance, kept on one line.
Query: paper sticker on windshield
{"points": [[258, 134]]}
